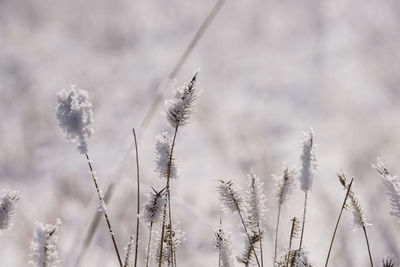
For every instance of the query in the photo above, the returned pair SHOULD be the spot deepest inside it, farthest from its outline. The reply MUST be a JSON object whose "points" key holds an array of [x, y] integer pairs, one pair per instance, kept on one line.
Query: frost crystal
{"points": [[230, 196], [165, 163], [392, 185], [223, 244], [8, 203], [285, 184], [129, 251], [74, 114], [153, 208], [309, 163], [44, 245], [181, 107], [255, 200], [174, 238]]}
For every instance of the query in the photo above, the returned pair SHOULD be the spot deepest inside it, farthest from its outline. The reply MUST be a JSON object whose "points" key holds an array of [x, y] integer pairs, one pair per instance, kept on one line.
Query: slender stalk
{"points": [[247, 233], [138, 197], [148, 245], [105, 212], [304, 219], [261, 248], [369, 250], [162, 235], [169, 200], [200, 32], [337, 222], [290, 240], [276, 233]]}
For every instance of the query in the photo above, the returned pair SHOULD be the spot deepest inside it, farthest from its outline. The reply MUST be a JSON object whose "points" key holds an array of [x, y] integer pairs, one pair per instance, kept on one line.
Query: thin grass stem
{"points": [[367, 241], [104, 212], [304, 220], [148, 245], [337, 222], [276, 233], [138, 197]]}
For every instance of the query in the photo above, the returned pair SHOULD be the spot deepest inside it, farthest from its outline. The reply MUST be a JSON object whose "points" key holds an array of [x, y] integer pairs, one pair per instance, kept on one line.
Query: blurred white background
{"points": [[269, 70]]}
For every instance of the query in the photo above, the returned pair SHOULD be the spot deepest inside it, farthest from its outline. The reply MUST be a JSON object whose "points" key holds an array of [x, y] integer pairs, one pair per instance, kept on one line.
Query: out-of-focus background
{"points": [[269, 71]]}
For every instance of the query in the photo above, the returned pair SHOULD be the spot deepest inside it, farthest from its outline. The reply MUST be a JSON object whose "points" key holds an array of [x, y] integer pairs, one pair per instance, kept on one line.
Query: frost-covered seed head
{"points": [[392, 185], [308, 161], [8, 204], [75, 116], [128, 252], [353, 204], [174, 238], [230, 196], [165, 163], [223, 243], [44, 245], [285, 184], [154, 206], [181, 107], [247, 256], [255, 200]]}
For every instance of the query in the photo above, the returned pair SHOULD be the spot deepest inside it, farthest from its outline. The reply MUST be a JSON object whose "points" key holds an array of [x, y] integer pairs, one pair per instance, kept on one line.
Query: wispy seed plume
{"points": [[8, 204]]}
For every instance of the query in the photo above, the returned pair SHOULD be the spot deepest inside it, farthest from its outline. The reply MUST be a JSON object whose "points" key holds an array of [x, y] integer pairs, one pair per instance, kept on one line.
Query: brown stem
{"points": [[369, 250], [304, 219], [138, 197], [148, 245], [105, 212], [337, 222], [290, 240], [261, 248], [247, 233], [276, 233]]}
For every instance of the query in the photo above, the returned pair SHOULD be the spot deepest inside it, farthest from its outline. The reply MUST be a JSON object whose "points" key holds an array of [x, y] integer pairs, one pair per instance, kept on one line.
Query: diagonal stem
{"points": [[200, 32], [247, 233], [104, 212], [369, 250], [338, 220]]}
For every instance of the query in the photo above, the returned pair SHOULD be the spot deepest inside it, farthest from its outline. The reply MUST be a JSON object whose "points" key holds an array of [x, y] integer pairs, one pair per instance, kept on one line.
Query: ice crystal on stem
{"points": [[44, 245], [8, 204], [75, 115]]}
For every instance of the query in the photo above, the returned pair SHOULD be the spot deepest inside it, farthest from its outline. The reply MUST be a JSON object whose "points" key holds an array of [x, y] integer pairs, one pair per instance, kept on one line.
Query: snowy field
{"points": [[269, 70]]}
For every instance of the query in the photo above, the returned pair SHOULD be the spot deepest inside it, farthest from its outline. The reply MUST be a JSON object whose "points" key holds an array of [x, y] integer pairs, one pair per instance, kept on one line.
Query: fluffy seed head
{"points": [[165, 162], [353, 204], [8, 204], [230, 196], [44, 245], [285, 184], [392, 185], [255, 200], [128, 252], [308, 161], [75, 116], [223, 243], [153, 208], [181, 107]]}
